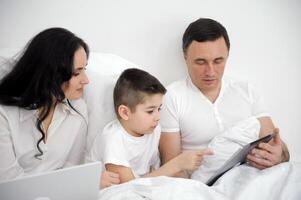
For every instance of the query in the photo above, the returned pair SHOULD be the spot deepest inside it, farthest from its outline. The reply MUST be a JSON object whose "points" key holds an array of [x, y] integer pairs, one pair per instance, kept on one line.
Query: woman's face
{"points": [[73, 89]]}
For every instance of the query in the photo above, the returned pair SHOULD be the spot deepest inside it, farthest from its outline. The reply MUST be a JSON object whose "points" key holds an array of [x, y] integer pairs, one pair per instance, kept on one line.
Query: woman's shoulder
{"points": [[80, 106], [10, 116], [9, 111]]}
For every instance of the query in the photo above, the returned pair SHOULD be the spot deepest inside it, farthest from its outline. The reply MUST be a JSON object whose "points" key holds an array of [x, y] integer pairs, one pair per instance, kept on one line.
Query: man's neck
{"points": [[212, 94]]}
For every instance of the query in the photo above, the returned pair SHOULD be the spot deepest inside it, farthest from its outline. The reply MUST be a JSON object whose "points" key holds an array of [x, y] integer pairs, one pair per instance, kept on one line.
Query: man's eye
{"points": [[200, 62], [218, 61]]}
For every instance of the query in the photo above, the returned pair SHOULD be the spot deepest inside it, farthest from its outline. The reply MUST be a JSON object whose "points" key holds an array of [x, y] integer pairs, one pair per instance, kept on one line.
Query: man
{"points": [[204, 104]]}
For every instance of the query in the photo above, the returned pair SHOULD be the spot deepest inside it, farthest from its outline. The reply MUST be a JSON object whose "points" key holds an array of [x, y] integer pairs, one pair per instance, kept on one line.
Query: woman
{"points": [[43, 120]]}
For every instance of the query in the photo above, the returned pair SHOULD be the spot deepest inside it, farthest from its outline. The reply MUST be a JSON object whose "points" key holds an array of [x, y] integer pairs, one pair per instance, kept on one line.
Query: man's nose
{"points": [[209, 70]]}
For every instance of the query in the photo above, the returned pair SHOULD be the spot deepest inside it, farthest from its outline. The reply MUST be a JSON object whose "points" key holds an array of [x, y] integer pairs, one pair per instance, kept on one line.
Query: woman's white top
{"points": [[65, 145]]}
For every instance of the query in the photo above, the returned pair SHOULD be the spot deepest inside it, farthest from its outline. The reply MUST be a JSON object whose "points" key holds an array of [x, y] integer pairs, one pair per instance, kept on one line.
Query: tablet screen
{"points": [[238, 158]]}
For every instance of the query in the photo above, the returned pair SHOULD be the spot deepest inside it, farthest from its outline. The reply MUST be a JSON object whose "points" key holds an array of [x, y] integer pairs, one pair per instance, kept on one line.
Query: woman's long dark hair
{"points": [[35, 81]]}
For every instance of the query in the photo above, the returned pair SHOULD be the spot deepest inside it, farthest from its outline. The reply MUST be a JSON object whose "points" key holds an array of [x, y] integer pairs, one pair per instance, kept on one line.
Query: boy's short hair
{"points": [[132, 86]]}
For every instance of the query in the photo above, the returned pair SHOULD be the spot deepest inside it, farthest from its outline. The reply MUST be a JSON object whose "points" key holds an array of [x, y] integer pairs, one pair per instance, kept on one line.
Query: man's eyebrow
{"points": [[200, 59], [221, 57]]}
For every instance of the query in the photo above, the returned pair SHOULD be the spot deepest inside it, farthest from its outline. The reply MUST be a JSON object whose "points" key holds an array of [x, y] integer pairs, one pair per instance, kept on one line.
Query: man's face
{"points": [[206, 63]]}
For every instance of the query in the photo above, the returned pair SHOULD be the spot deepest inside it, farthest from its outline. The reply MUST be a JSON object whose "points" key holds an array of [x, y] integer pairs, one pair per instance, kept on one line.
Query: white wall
{"points": [[264, 34]]}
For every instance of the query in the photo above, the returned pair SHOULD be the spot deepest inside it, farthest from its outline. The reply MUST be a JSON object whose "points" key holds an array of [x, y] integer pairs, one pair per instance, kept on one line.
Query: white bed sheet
{"points": [[246, 183]]}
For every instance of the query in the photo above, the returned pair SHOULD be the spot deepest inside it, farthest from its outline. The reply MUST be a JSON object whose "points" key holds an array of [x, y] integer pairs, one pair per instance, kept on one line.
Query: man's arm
{"points": [[170, 147], [268, 154], [267, 127]]}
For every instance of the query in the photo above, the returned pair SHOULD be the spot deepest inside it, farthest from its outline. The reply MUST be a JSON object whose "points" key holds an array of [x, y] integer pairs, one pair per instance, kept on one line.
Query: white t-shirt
{"points": [[186, 110], [225, 145], [115, 146], [65, 146]]}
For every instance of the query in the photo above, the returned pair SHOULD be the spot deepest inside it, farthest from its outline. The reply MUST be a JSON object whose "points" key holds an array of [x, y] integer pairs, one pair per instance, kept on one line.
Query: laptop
{"points": [[73, 183], [238, 158]]}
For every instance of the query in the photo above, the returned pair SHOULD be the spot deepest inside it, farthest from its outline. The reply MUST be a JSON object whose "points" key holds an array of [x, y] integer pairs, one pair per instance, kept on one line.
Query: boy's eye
{"points": [[150, 111], [159, 109]]}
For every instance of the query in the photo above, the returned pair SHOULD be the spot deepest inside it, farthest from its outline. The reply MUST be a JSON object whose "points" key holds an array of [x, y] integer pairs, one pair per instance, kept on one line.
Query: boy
{"points": [[129, 145]]}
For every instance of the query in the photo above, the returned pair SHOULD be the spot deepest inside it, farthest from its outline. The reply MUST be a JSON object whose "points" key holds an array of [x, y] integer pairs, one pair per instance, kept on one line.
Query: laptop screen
{"points": [[76, 183]]}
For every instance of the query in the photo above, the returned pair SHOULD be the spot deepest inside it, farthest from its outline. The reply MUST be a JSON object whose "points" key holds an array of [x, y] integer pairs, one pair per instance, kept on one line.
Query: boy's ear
{"points": [[124, 112]]}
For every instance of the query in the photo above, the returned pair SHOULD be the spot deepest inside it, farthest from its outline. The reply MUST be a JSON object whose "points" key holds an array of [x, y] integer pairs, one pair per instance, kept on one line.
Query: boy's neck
{"points": [[127, 128]]}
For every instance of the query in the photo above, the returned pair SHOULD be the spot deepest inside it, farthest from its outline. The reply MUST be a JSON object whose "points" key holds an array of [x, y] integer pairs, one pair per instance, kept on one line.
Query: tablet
{"points": [[238, 158]]}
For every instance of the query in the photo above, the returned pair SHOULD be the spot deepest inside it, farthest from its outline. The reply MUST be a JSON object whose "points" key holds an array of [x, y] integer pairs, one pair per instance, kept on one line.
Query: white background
{"points": [[264, 36]]}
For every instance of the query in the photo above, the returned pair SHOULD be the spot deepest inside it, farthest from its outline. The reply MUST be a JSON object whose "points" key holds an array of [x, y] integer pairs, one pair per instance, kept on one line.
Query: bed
{"points": [[279, 182]]}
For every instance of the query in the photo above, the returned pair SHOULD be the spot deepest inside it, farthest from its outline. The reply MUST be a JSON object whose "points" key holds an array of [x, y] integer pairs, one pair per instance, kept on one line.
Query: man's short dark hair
{"points": [[132, 86], [202, 30]]}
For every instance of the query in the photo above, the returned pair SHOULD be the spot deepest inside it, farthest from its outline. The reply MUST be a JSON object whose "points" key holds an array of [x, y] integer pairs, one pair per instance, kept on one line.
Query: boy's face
{"points": [[146, 116]]}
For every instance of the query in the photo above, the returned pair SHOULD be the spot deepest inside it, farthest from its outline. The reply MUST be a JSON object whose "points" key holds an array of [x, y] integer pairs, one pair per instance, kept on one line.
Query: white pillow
{"points": [[108, 64], [7, 59], [103, 71]]}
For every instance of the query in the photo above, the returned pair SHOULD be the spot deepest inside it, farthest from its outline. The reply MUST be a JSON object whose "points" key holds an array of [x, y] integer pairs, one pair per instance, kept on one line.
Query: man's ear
{"points": [[124, 112], [185, 55]]}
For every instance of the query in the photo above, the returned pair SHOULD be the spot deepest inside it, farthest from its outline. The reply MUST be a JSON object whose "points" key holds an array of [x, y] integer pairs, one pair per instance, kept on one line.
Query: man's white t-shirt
{"points": [[115, 146], [186, 110]]}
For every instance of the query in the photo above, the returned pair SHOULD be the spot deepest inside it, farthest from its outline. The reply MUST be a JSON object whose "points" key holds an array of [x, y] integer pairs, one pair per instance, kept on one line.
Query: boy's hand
{"points": [[191, 160], [108, 179]]}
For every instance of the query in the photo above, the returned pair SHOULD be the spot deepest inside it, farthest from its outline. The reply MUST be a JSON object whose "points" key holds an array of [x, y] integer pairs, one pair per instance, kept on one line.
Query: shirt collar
{"points": [[224, 85], [64, 107]]}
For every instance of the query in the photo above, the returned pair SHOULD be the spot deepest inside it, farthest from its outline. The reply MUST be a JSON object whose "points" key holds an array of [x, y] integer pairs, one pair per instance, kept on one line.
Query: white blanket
{"points": [[279, 182]]}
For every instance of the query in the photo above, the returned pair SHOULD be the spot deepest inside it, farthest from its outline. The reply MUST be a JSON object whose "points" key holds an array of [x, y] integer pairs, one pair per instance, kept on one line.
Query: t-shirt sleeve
{"points": [[259, 108], [169, 118], [112, 149]]}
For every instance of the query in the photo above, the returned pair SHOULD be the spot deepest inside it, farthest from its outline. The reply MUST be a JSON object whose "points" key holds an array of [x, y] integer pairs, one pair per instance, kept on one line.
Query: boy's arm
{"points": [[125, 173], [171, 168], [170, 147], [187, 160]]}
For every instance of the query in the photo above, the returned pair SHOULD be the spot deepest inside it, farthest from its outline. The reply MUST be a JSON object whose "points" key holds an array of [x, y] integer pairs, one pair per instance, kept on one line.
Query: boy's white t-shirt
{"points": [[225, 145], [115, 146]]}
